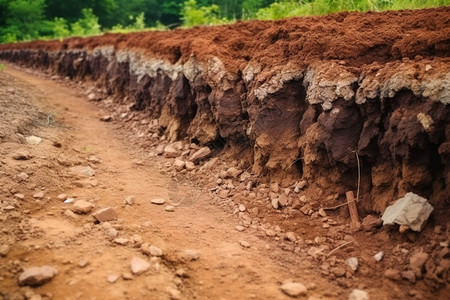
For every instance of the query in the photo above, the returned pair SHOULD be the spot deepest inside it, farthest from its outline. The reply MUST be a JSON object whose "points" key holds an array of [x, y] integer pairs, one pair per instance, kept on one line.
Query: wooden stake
{"points": [[351, 201]]}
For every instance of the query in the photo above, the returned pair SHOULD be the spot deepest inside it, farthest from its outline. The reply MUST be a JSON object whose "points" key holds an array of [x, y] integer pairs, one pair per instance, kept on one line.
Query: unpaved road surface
{"points": [[208, 252]]}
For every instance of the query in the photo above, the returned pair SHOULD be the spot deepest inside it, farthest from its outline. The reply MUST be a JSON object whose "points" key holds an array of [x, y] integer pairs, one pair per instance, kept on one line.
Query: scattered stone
{"points": [[82, 207], [170, 151], [200, 154], [190, 254], [127, 276], [174, 293], [379, 256], [370, 222], [283, 200], [352, 263], [33, 140], [275, 203], [169, 208], [83, 263], [112, 232], [181, 273], [61, 197], [242, 207], [357, 294], [19, 196], [240, 228], [409, 275], [4, 250], [155, 251], [70, 214], [23, 176], [158, 201], [190, 166], [121, 241], [293, 289], [244, 244], [179, 164], [38, 195], [322, 212], [22, 155], [112, 278], [105, 214], [290, 236], [129, 200], [338, 271], [417, 261], [82, 171], [392, 274], [106, 118], [37, 275], [139, 265], [302, 184], [411, 211], [93, 159], [233, 172]]}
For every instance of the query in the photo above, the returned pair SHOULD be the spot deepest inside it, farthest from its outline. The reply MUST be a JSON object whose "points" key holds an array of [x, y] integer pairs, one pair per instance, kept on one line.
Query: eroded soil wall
{"points": [[297, 99]]}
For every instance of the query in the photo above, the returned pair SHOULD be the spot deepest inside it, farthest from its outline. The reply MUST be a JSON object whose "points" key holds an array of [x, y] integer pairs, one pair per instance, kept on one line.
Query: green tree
{"points": [[87, 25], [24, 19], [193, 15]]}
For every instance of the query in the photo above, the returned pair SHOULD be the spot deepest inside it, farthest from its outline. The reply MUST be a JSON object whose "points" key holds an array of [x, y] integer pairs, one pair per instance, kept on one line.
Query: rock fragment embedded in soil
{"points": [[22, 176], [179, 164], [370, 222], [112, 278], [392, 274], [417, 262], [37, 275], [129, 200], [139, 265], [22, 155], [70, 214], [174, 293], [155, 251], [200, 154], [4, 250], [275, 203], [82, 207], [106, 118], [169, 208], [379, 256], [121, 241], [411, 211], [33, 140], [38, 195], [352, 263], [244, 244], [357, 294], [158, 201], [82, 171], [105, 214], [293, 289], [190, 254]]}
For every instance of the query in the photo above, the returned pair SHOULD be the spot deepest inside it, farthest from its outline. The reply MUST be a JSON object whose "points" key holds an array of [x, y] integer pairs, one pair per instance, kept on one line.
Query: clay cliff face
{"points": [[298, 99]]}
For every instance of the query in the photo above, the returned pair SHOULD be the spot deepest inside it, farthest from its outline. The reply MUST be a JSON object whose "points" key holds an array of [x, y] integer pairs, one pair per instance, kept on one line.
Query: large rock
{"points": [[293, 289], [37, 275], [200, 154], [105, 214], [139, 265], [411, 211], [82, 207]]}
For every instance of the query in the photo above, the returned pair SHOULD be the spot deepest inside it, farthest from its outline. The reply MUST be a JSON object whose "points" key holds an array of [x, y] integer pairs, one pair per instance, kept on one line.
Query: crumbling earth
{"points": [[117, 157]]}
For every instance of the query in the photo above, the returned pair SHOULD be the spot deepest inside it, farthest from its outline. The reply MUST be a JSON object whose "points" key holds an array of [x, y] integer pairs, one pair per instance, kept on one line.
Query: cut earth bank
{"points": [[301, 104]]}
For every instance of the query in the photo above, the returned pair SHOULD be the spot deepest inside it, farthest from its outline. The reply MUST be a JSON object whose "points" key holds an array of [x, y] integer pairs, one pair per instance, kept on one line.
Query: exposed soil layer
{"points": [[297, 99]]}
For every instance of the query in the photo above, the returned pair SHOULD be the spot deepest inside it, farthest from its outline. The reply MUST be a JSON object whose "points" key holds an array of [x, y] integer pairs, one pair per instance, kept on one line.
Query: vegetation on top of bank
{"points": [[22, 20]]}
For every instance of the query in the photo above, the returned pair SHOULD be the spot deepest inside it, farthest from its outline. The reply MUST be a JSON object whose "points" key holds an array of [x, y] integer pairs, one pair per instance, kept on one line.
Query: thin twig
{"points": [[300, 158], [339, 247]]}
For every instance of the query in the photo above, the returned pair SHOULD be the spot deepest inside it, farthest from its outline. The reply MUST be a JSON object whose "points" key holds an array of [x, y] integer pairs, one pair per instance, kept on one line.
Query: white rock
{"points": [[379, 256], [411, 211], [169, 208], [37, 275], [155, 251], [293, 289], [82, 207], [4, 250], [275, 203], [242, 207], [158, 201], [129, 200], [352, 263], [33, 140], [82, 171], [139, 265], [358, 295], [191, 254], [112, 278]]}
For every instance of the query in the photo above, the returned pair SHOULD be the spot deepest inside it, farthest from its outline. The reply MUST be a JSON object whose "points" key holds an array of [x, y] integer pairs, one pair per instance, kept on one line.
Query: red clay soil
{"points": [[356, 38]]}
